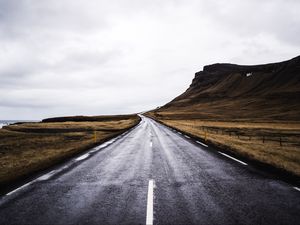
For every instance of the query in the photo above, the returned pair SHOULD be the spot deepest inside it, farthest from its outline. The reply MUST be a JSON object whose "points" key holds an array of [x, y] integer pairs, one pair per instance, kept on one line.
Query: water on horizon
{"points": [[7, 122]]}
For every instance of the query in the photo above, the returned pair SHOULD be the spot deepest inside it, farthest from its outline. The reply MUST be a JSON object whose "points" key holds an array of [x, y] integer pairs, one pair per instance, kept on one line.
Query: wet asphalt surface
{"points": [[193, 185]]}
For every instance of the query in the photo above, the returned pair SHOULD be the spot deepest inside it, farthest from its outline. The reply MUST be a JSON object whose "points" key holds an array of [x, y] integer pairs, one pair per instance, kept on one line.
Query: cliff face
{"points": [[273, 89]]}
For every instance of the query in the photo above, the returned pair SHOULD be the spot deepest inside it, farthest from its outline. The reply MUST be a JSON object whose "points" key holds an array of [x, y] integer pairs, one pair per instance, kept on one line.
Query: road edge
{"points": [[275, 172], [60, 162]]}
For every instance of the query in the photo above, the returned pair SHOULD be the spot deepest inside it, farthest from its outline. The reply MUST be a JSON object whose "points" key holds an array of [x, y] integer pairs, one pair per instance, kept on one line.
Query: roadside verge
{"points": [[275, 172], [31, 149]]}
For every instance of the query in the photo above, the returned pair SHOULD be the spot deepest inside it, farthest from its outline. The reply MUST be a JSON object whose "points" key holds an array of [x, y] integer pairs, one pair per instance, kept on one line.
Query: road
{"points": [[157, 176]]}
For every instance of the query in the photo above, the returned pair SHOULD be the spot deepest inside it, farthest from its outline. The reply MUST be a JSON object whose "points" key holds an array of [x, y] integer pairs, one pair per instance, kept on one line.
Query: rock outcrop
{"points": [[270, 91]]}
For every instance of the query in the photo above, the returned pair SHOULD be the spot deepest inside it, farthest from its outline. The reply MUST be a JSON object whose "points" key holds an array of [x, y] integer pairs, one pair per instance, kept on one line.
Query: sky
{"points": [[67, 57]]}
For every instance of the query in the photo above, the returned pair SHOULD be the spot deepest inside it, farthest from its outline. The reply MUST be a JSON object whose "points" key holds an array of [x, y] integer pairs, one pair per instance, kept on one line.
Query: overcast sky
{"points": [[79, 57]]}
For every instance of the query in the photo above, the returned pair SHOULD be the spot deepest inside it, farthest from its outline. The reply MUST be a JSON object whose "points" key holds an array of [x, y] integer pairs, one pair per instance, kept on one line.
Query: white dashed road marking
{"points": [[228, 156], [82, 157], [149, 217], [296, 188], [46, 176], [25, 185], [202, 143], [53, 172]]}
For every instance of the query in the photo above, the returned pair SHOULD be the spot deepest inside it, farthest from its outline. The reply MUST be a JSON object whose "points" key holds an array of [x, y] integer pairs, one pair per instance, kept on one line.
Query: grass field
{"points": [[30, 147], [274, 143]]}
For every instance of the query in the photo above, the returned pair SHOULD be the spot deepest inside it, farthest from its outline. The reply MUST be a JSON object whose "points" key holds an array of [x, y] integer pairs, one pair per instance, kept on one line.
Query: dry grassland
{"points": [[30, 147], [277, 144]]}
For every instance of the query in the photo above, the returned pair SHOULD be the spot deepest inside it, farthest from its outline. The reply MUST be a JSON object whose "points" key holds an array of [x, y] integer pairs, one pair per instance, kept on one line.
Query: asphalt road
{"points": [[155, 175]]}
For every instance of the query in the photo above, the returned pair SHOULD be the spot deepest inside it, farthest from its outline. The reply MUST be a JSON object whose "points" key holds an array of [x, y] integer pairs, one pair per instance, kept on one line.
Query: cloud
{"points": [[102, 57], [249, 18]]}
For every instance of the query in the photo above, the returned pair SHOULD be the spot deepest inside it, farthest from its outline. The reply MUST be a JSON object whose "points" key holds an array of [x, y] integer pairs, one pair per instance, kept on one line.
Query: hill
{"points": [[235, 92], [88, 118]]}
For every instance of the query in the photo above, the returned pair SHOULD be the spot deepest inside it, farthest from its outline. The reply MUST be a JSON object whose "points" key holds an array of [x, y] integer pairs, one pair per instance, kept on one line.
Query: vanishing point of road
{"points": [[152, 175]]}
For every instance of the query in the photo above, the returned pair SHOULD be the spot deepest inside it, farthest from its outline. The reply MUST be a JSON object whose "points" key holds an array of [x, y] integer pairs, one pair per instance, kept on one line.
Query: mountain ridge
{"points": [[261, 89]]}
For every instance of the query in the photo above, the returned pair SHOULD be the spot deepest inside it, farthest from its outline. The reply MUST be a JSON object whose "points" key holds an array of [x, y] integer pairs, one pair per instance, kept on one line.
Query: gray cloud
{"points": [[247, 18], [101, 57]]}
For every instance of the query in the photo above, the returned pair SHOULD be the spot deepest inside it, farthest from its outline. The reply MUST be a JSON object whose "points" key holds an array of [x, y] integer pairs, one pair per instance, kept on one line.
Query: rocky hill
{"points": [[236, 92]]}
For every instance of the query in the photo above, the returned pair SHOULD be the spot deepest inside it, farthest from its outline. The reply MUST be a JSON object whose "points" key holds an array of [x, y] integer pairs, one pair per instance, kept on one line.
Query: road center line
{"points": [[296, 188], [151, 144], [149, 217], [228, 156], [202, 143]]}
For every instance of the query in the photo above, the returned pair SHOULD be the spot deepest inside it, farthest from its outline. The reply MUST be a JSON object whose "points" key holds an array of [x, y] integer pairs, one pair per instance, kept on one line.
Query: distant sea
{"points": [[7, 122]]}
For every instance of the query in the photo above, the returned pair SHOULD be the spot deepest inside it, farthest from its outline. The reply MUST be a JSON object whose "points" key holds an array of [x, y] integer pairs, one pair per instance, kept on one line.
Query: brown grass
{"points": [[277, 144], [30, 147]]}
